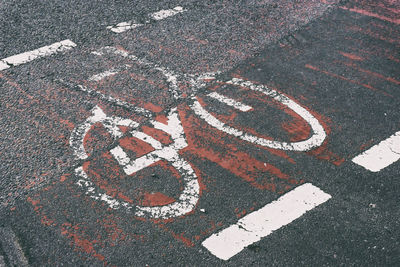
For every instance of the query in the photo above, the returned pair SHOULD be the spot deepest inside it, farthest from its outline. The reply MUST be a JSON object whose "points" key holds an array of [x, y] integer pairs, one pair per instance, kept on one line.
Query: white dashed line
{"points": [[165, 13], [381, 155], [3, 65], [124, 26], [230, 102], [37, 53], [159, 15], [256, 225]]}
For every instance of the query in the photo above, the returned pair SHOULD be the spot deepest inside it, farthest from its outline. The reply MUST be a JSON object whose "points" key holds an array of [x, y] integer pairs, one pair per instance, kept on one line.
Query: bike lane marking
{"points": [[29, 56], [381, 155], [259, 224], [315, 140], [230, 102]]}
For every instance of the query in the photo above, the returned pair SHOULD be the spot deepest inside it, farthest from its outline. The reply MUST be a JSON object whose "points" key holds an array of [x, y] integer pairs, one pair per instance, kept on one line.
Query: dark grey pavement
{"points": [[340, 60]]}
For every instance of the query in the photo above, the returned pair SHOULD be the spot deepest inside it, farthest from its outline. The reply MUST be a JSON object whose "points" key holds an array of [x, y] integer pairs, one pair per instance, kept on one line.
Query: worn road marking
{"points": [[172, 78], [159, 15], [191, 189], [111, 124], [315, 140], [165, 13], [256, 225], [124, 26], [37, 53], [230, 102], [11, 247], [138, 110], [381, 155], [100, 76]]}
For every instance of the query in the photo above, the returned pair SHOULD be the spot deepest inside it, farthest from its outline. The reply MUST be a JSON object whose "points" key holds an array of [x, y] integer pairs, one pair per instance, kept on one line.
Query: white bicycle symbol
{"points": [[190, 194]]}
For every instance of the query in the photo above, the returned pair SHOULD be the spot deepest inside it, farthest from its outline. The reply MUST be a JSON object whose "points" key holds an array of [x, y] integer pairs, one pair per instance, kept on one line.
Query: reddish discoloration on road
{"points": [[206, 142], [346, 79], [387, 10], [80, 242]]}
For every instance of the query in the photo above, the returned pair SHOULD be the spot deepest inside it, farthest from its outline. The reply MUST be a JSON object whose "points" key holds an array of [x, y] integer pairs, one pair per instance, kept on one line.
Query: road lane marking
{"points": [[315, 140], [173, 128], [259, 224], [191, 188], [111, 124], [158, 15], [3, 65], [138, 110], [230, 102], [381, 155], [171, 77], [100, 76], [165, 13], [124, 26], [37, 53]]}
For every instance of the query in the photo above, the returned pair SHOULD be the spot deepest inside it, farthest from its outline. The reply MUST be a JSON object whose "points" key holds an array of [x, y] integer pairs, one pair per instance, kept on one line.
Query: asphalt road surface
{"points": [[200, 133]]}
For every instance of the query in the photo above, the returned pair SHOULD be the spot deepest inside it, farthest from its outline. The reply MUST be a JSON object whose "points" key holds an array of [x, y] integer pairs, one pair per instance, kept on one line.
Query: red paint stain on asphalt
{"points": [[352, 56], [156, 199], [324, 153], [186, 241], [346, 79], [236, 162], [124, 198], [371, 14], [162, 119], [371, 73], [153, 107], [80, 242], [210, 230], [102, 179], [135, 145], [159, 135], [239, 213], [298, 129], [96, 139], [34, 203], [112, 229], [37, 208], [366, 145]]}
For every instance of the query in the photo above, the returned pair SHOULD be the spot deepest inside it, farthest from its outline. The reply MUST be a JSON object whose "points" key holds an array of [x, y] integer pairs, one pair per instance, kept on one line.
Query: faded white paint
{"points": [[124, 26], [172, 78], [3, 65], [159, 15], [165, 13], [37, 53], [169, 153], [90, 190], [381, 155], [190, 194], [111, 123], [230, 102], [315, 140], [116, 101], [259, 224], [100, 76]]}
